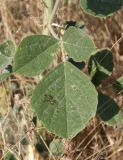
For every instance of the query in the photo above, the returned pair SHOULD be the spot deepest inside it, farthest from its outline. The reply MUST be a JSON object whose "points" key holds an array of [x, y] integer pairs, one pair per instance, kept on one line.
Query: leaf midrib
{"points": [[21, 68]]}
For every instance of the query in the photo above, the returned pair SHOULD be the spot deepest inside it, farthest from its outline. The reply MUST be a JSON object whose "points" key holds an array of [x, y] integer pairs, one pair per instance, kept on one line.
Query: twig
{"points": [[52, 18], [57, 25], [47, 147]]}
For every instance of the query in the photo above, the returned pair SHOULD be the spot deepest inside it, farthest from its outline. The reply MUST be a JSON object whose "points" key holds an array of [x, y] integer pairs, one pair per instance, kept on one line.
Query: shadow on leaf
{"points": [[108, 110], [100, 66]]}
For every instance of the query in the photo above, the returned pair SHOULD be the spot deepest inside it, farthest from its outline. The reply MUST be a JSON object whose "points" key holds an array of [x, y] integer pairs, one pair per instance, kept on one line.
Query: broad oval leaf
{"points": [[78, 44], [108, 110], [7, 50], [101, 8], [34, 54], [65, 100]]}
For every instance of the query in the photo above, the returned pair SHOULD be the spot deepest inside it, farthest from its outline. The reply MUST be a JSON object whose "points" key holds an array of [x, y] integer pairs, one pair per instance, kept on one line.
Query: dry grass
{"points": [[97, 141]]}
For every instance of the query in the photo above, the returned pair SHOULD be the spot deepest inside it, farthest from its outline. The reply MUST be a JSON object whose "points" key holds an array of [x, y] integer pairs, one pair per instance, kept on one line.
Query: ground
{"points": [[19, 18]]}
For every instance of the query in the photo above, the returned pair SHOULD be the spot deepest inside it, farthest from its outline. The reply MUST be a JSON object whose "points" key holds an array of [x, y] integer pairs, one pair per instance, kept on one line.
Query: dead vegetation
{"points": [[18, 134]]}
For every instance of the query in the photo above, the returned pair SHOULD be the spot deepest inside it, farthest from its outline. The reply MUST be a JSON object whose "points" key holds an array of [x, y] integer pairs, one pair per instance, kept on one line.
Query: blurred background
{"points": [[19, 139]]}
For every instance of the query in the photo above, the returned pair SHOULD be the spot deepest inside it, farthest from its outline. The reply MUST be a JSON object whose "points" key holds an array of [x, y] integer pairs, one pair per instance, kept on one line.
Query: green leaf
{"points": [[101, 8], [118, 85], [56, 147], [79, 65], [65, 100], [7, 50], [10, 156], [4, 75], [78, 44], [34, 54], [25, 141], [120, 80], [108, 110], [100, 65]]}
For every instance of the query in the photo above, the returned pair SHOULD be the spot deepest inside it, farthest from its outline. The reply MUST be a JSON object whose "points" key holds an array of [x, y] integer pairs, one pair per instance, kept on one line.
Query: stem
{"points": [[54, 11], [50, 11], [57, 25], [47, 13], [52, 18], [52, 32], [47, 148]]}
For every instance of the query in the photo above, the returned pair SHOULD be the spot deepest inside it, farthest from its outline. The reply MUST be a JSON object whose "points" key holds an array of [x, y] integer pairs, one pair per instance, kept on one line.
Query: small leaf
{"points": [[100, 66], [7, 50], [65, 100], [78, 44], [101, 8], [34, 54], [4, 75], [25, 141], [108, 110], [56, 147], [10, 156]]}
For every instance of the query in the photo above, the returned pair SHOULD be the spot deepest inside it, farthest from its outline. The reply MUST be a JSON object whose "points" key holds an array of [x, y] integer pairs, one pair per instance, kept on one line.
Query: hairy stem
{"points": [[56, 6], [49, 15], [47, 12]]}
